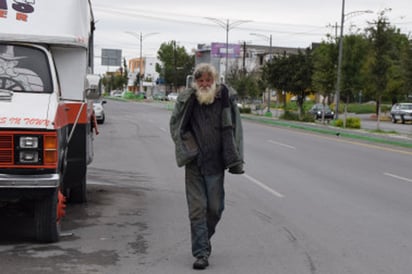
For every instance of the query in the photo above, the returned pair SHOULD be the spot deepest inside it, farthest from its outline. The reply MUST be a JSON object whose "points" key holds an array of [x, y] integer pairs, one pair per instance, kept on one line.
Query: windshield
{"points": [[320, 107], [406, 106], [24, 69]]}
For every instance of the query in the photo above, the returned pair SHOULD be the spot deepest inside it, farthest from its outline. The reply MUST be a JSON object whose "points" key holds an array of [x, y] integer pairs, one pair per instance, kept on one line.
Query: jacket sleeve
{"points": [[232, 135], [186, 148]]}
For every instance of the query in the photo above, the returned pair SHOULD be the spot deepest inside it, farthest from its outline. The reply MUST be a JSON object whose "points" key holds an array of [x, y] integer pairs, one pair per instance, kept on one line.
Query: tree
{"points": [[300, 86], [381, 70], [175, 65], [291, 73], [125, 70], [116, 80], [246, 84], [407, 71], [324, 59], [275, 74], [355, 52]]}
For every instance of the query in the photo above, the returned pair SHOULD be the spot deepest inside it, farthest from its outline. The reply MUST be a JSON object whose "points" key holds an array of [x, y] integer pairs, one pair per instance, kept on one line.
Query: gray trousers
{"points": [[205, 198]]}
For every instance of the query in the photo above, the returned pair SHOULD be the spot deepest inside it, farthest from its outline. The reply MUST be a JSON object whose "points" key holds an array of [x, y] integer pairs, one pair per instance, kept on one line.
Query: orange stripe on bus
{"points": [[67, 114]]}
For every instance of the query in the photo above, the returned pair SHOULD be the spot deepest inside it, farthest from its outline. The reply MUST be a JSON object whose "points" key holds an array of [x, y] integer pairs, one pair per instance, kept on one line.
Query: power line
{"points": [[180, 18]]}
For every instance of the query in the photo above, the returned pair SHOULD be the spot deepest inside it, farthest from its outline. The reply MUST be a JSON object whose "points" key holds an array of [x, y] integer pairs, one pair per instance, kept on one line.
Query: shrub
{"points": [[294, 116], [307, 117], [289, 115], [129, 95], [246, 110], [338, 123], [351, 122]]}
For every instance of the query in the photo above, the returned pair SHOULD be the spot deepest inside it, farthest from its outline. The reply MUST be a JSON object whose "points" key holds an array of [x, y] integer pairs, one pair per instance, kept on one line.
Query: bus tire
{"points": [[45, 215]]}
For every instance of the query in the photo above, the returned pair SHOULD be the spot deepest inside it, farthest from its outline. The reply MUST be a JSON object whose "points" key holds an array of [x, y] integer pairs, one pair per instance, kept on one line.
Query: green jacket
{"points": [[186, 148]]}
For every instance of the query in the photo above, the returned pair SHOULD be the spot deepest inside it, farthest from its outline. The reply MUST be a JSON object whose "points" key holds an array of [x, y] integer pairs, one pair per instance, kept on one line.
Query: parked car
{"points": [[99, 111], [401, 112], [159, 96], [317, 110], [116, 93], [172, 96]]}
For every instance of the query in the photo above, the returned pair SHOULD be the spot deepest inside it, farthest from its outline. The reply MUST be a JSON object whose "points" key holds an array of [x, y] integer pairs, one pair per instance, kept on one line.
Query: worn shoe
{"points": [[201, 263]]}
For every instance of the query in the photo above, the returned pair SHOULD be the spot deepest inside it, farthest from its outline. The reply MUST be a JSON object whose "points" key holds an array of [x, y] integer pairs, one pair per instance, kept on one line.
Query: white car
{"points": [[401, 112], [116, 93], [99, 111], [172, 96]]}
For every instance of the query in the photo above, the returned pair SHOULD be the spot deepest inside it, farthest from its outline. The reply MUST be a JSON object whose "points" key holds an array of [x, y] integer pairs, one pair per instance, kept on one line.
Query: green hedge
{"points": [[245, 110], [351, 122]]}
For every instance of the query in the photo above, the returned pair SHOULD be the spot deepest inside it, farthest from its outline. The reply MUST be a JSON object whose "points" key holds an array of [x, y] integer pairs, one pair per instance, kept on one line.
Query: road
{"points": [[308, 203]]}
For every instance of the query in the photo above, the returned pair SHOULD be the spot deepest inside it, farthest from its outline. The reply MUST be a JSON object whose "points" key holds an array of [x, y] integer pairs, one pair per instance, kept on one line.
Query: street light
{"points": [[341, 53], [267, 38], [141, 37], [226, 25]]}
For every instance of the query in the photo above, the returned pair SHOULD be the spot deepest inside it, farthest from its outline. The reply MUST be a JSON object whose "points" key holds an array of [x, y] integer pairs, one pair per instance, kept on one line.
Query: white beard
{"points": [[206, 96]]}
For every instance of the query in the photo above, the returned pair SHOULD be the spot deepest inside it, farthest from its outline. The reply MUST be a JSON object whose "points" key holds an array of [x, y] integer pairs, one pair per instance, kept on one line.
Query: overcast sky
{"points": [[292, 23]]}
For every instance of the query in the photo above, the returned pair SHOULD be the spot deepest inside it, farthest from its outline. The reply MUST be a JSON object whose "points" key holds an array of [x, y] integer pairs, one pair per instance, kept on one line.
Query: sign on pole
{"points": [[112, 57]]}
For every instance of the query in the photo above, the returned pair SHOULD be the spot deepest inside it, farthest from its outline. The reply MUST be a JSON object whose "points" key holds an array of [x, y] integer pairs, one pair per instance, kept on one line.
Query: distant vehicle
{"points": [[172, 96], [317, 110], [99, 111], [401, 112], [116, 93], [159, 96]]}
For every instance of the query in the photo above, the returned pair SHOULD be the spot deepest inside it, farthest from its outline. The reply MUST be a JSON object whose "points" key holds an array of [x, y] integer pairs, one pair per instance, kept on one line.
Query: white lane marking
{"points": [[281, 144], [398, 177], [163, 129], [262, 185]]}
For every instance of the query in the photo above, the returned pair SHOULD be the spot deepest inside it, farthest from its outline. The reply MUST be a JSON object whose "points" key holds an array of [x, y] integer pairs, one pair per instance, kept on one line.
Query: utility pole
{"points": [[141, 37], [337, 99], [244, 59], [227, 26], [267, 38]]}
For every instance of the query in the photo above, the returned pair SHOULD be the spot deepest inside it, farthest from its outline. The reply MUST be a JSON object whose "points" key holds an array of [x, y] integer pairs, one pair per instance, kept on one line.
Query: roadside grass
{"points": [[370, 136], [356, 108]]}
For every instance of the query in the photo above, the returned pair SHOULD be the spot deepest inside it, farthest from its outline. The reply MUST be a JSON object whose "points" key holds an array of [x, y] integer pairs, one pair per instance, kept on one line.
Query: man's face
{"points": [[205, 82], [205, 89]]}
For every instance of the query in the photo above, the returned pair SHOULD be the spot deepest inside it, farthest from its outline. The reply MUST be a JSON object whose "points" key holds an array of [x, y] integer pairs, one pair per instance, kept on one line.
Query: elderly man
{"points": [[207, 131]]}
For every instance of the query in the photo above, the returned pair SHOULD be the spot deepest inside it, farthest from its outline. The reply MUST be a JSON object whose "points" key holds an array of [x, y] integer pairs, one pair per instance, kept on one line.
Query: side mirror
{"points": [[93, 86]]}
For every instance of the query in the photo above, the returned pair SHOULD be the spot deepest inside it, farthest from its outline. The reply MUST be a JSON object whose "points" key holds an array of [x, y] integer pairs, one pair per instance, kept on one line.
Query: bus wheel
{"points": [[46, 221]]}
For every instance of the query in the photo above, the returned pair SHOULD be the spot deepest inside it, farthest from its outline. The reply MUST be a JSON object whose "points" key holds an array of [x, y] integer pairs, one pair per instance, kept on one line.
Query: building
{"points": [[247, 57], [145, 66]]}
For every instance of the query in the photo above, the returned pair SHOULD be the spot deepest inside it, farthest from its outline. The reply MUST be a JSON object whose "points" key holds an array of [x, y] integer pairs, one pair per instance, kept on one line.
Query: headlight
{"points": [[29, 157], [29, 142], [36, 149], [28, 149]]}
